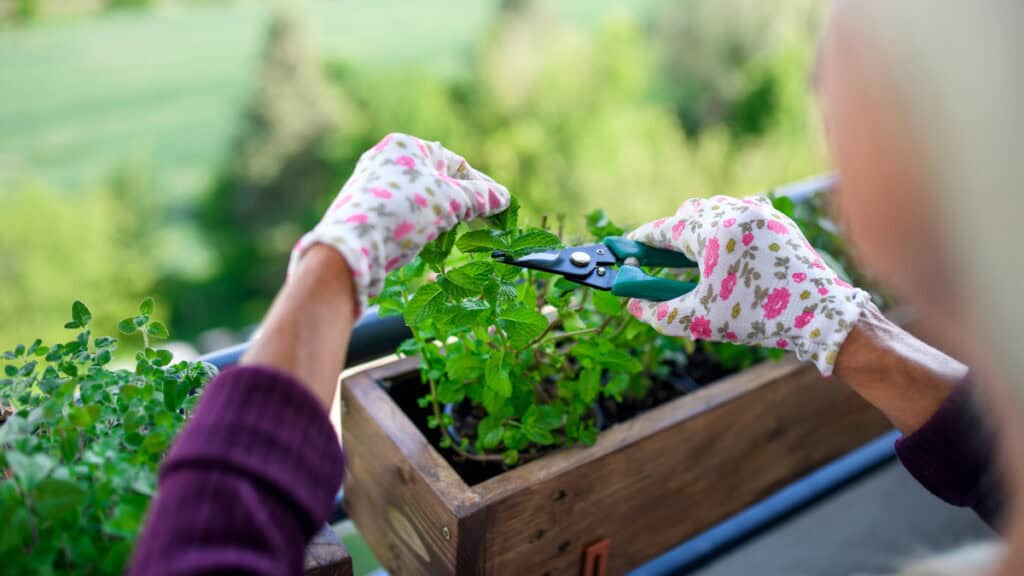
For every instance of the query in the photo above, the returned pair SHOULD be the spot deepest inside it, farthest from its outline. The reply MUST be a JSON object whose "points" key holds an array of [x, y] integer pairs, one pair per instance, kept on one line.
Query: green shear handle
{"points": [[632, 282]]}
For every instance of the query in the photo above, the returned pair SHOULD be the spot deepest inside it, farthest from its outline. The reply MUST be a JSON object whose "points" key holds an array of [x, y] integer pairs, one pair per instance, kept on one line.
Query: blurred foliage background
{"points": [[179, 148]]}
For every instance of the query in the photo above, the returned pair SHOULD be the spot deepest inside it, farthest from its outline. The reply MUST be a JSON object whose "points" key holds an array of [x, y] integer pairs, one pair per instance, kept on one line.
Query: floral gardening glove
{"points": [[402, 194], [761, 282]]}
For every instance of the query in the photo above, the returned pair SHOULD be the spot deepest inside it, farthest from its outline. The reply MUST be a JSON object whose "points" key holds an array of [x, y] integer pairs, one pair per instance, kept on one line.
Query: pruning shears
{"points": [[603, 266]]}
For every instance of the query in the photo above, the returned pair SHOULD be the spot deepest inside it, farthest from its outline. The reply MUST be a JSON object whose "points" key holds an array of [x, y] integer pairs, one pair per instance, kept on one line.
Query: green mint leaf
{"points": [[463, 367], [490, 432], [468, 313], [157, 330], [600, 226], [140, 321], [496, 379], [147, 307], [534, 240], [473, 276], [437, 252], [72, 325], [451, 391], [542, 437], [606, 303], [510, 457], [522, 324], [11, 370], [509, 218], [126, 326], [481, 241], [783, 204], [588, 435], [514, 438], [548, 417], [80, 314], [426, 302]]}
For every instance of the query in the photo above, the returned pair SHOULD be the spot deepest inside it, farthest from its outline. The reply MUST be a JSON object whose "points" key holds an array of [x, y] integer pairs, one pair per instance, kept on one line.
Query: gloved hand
{"points": [[403, 193], [761, 282]]}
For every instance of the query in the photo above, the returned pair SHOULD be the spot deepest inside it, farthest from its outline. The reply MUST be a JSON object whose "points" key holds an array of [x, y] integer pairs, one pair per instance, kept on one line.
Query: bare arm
{"points": [[902, 376], [307, 330]]}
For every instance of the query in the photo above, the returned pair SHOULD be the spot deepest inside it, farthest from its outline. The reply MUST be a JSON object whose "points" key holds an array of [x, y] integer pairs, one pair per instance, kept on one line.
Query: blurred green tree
{"points": [[56, 246], [267, 193]]}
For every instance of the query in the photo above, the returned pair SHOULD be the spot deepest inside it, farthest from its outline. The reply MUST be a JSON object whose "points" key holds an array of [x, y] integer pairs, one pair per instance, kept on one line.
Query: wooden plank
{"points": [[403, 496], [327, 556], [655, 480]]}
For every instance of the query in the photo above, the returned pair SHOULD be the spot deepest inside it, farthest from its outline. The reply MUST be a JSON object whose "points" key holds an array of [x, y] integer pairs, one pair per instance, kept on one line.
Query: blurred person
{"points": [[240, 493]]}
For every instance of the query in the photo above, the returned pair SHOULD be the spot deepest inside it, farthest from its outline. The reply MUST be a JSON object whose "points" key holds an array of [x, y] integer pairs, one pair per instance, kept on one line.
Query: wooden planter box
{"points": [[645, 486], [326, 556]]}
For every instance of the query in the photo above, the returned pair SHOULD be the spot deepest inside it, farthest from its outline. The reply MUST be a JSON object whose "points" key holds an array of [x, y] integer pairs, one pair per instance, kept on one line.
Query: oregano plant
{"points": [[80, 442]]}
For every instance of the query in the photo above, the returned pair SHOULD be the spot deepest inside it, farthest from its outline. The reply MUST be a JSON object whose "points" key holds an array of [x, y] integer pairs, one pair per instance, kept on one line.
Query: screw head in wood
{"points": [[446, 533]]}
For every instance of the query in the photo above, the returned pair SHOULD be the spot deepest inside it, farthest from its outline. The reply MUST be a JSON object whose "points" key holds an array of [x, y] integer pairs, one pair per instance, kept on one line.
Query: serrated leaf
{"points": [[473, 276], [80, 314], [606, 303], [427, 301], [147, 307], [437, 251], [481, 241], [464, 367], [465, 314], [534, 240], [496, 378], [126, 326], [522, 324], [507, 219], [157, 330]]}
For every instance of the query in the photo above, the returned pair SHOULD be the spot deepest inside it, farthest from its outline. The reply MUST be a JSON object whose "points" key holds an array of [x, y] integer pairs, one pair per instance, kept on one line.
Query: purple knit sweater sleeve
{"points": [[952, 455], [248, 482]]}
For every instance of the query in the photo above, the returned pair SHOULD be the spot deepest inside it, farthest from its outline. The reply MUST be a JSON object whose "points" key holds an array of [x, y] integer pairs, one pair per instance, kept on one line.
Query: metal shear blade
{"points": [[590, 265]]}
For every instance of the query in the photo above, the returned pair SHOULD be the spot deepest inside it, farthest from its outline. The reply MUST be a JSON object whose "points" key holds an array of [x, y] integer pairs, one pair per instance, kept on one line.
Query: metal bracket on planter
{"points": [[595, 559]]}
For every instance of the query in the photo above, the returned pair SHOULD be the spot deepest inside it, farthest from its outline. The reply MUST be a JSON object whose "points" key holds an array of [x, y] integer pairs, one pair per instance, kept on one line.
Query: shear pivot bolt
{"points": [[579, 259], [601, 271]]}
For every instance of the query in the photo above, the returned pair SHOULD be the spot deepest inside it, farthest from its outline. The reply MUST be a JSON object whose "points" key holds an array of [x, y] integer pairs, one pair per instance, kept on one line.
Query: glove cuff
{"points": [[823, 350], [360, 260]]}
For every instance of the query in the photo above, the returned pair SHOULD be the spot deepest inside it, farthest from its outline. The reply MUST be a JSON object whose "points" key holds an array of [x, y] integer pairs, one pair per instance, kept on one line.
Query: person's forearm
{"points": [[307, 330], [900, 375]]}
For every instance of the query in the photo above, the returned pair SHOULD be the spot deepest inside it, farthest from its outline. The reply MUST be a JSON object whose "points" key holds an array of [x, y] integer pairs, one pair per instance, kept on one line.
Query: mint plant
{"points": [[526, 355], [529, 352], [80, 442]]}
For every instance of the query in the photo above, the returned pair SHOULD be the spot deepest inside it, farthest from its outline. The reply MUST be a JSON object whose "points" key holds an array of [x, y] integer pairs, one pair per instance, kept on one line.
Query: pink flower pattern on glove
{"points": [[402, 194], [761, 282]]}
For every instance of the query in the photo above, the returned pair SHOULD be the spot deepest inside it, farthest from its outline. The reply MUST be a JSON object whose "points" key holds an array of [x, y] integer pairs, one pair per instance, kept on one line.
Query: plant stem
{"points": [[564, 335]]}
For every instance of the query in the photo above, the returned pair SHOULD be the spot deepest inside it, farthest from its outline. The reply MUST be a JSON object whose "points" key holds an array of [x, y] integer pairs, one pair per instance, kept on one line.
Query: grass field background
{"points": [[166, 88]]}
